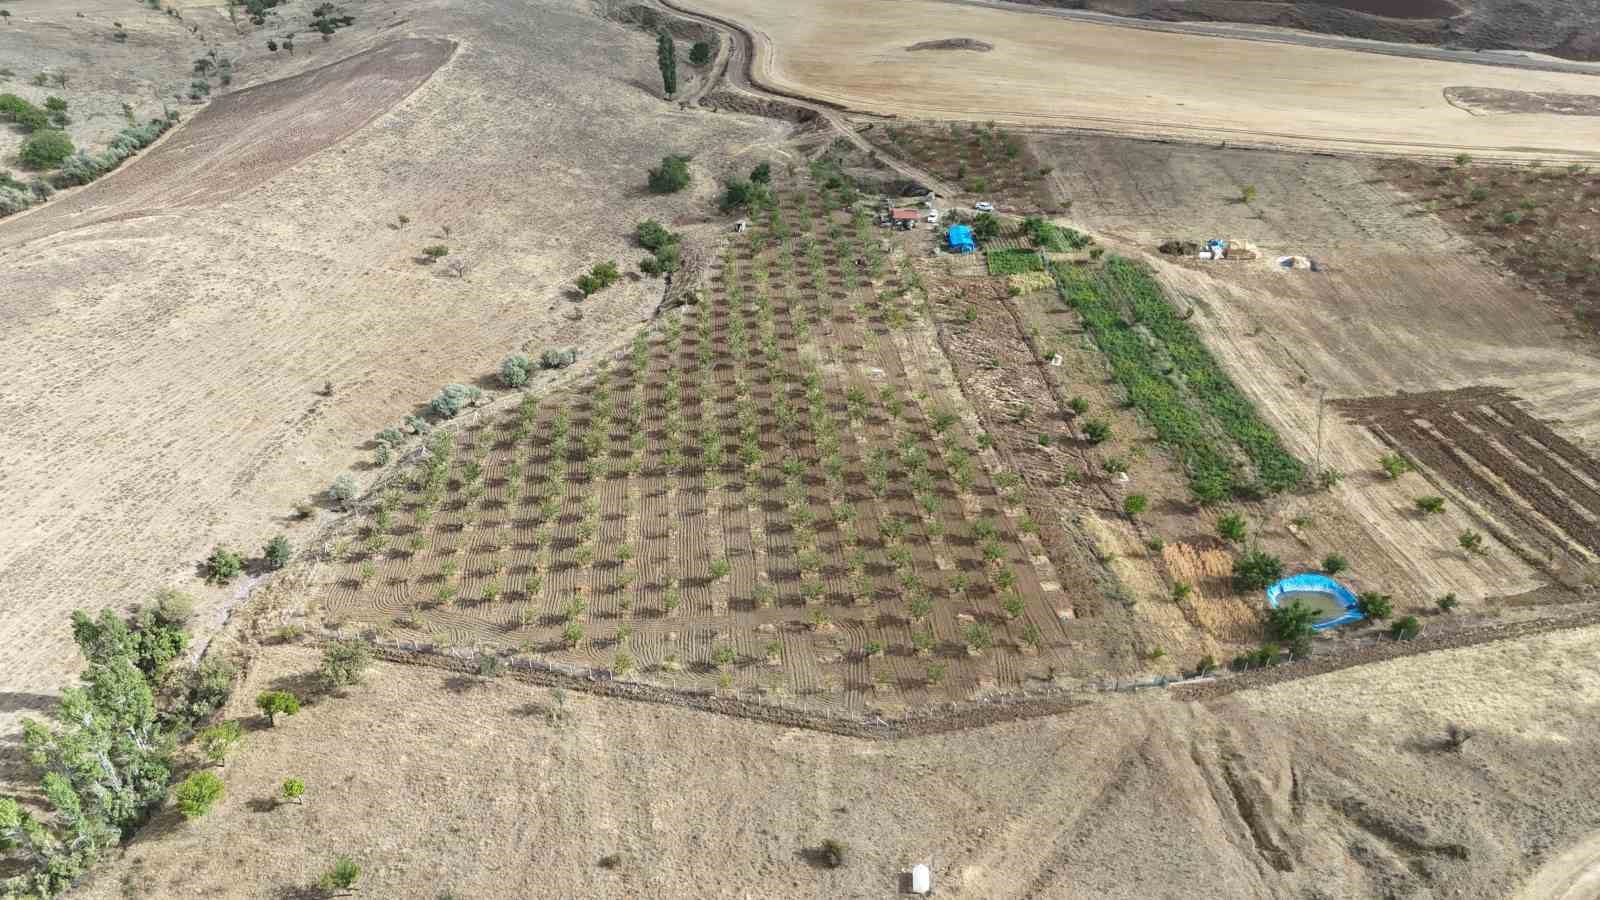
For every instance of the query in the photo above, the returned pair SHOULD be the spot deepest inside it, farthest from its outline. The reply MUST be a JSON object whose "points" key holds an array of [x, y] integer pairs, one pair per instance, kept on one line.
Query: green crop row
{"points": [[1203, 377], [1013, 262], [1055, 237], [1195, 431]]}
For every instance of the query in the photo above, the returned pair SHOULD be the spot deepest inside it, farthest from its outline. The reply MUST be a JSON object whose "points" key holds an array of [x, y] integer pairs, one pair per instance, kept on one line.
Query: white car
{"points": [[933, 217], [983, 206]]}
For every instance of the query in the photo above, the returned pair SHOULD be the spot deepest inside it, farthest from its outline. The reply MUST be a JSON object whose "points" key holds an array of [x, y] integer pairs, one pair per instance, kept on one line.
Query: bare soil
{"points": [[1337, 784]]}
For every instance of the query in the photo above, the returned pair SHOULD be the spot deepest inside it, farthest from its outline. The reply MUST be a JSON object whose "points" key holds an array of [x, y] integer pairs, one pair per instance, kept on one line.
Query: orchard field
{"points": [[774, 490]]}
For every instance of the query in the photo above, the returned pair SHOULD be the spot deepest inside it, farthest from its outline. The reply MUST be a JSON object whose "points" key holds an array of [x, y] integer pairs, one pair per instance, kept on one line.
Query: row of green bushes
{"points": [[1203, 378], [1134, 366], [49, 148], [1050, 236]]}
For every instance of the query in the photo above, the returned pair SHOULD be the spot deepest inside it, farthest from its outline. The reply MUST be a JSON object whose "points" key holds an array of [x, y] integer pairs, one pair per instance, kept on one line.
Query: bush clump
{"points": [[46, 149], [598, 278], [343, 490], [741, 194], [671, 176], [452, 399], [1256, 570], [223, 565], [557, 359], [198, 793], [514, 370]]}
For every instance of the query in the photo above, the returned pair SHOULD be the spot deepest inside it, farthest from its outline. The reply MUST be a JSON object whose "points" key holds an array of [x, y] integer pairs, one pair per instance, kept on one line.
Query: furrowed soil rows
{"points": [[775, 492], [1513, 465]]}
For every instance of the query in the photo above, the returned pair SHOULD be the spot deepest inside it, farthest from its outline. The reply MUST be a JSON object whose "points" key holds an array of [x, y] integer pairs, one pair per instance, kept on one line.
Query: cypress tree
{"points": [[667, 57]]}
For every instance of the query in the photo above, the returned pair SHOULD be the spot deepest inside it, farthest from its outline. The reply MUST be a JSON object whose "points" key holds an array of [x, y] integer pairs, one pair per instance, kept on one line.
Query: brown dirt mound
{"points": [[952, 44], [243, 139]]}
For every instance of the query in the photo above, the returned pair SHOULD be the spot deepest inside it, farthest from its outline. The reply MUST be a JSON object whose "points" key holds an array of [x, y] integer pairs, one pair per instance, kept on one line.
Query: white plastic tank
{"points": [[921, 879]]}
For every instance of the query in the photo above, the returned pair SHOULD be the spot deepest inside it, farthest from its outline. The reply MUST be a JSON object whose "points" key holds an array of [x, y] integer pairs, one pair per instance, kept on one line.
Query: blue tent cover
{"points": [[960, 238]]}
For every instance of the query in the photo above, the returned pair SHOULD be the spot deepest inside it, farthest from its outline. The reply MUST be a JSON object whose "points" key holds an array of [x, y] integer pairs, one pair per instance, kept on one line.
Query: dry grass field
{"points": [[169, 327], [1045, 70], [1333, 786]]}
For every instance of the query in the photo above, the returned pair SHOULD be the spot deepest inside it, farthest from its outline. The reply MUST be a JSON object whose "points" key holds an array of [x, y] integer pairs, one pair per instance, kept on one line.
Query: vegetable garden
{"points": [[769, 493]]}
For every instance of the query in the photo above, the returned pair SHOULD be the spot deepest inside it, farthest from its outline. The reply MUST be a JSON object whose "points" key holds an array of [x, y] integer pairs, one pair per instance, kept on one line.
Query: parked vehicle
{"points": [[983, 206]]}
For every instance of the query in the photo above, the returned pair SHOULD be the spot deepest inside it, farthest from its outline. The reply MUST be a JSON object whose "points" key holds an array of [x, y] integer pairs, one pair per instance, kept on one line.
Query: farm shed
{"points": [[904, 218], [960, 239]]}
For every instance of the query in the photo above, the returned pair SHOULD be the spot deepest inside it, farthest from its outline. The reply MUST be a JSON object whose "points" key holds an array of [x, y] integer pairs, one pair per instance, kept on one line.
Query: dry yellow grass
{"points": [[1050, 71]]}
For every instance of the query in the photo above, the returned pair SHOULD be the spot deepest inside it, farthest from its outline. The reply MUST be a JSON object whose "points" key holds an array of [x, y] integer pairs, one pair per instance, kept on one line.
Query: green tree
{"points": [[293, 790], [1430, 505], [1256, 570], [1134, 504], [1232, 528], [652, 235], [1374, 605], [986, 226], [223, 565], [667, 59], [1405, 629], [46, 149], [671, 176], [751, 195], [198, 793], [1291, 623], [218, 740], [514, 370], [762, 174], [1333, 564], [277, 552], [277, 703], [343, 662], [1448, 602], [700, 53]]}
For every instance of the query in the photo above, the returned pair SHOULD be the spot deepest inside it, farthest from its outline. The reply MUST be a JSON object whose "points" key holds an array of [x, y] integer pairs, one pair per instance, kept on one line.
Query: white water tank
{"points": [[921, 879]]}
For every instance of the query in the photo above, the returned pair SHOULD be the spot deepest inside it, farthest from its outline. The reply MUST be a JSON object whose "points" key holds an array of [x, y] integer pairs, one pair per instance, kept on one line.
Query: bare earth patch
{"points": [[1499, 101], [952, 44]]}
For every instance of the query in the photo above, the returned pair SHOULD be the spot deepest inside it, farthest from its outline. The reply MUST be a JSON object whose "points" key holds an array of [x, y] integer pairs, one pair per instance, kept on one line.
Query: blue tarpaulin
{"points": [[1312, 583], [960, 238]]}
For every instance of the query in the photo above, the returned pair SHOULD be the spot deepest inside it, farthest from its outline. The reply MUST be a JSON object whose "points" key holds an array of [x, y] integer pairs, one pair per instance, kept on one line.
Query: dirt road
{"points": [[1574, 875], [1194, 87]]}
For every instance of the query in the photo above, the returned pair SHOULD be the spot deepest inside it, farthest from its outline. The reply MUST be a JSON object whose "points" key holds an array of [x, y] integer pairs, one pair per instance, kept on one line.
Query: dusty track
{"points": [[830, 53]]}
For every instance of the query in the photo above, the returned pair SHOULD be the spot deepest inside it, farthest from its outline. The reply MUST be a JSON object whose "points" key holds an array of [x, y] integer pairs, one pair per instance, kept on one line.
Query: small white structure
{"points": [[921, 879]]}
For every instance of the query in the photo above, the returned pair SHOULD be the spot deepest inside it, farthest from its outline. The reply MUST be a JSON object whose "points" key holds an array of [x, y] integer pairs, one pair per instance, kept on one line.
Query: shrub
{"points": [[986, 226], [342, 663], [671, 176], [557, 359], [832, 853], [762, 174], [1256, 570], [1471, 541], [1134, 504], [45, 149], [343, 490], [198, 793], [1511, 217], [452, 399], [514, 370], [700, 53], [24, 114], [277, 703], [1430, 505], [1097, 431], [1394, 465], [1448, 602], [277, 552], [750, 195], [341, 876], [1455, 736], [435, 252], [223, 565], [293, 790], [1232, 528], [1333, 564], [217, 740], [652, 235], [1405, 629], [1374, 605], [1247, 194], [1290, 623]]}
